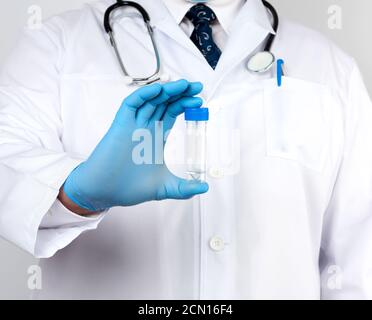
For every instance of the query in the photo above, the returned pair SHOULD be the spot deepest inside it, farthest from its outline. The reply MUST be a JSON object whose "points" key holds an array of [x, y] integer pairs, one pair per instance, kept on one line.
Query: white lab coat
{"points": [[289, 211]]}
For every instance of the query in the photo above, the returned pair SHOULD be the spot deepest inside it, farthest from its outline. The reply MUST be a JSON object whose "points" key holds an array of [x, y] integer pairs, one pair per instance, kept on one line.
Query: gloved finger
{"points": [[182, 189], [159, 112], [137, 99], [194, 89], [177, 108], [169, 90]]}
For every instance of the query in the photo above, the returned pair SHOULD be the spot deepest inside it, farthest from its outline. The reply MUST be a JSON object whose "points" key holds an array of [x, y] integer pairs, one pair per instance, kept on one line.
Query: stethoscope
{"points": [[261, 62]]}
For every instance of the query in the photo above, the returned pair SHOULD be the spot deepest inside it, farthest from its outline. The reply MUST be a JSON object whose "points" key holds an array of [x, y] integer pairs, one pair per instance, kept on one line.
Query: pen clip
{"points": [[279, 71]]}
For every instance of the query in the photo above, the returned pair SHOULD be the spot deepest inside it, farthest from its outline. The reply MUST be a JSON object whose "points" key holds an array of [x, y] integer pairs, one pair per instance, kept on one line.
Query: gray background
{"points": [[353, 38]]}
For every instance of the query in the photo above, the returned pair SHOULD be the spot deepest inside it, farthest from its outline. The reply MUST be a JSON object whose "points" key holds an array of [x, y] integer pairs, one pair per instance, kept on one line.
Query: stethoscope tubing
{"points": [[146, 18]]}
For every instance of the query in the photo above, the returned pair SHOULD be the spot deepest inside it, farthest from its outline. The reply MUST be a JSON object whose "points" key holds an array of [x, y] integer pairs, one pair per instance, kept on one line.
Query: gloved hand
{"points": [[110, 178]]}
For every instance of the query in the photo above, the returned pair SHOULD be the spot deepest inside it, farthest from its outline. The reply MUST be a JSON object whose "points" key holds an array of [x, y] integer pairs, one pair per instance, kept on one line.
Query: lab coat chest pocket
{"points": [[295, 122]]}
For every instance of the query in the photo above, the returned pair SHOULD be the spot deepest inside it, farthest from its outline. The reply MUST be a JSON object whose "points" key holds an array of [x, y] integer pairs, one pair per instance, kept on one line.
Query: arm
{"points": [[72, 206], [346, 253], [33, 162], [34, 165]]}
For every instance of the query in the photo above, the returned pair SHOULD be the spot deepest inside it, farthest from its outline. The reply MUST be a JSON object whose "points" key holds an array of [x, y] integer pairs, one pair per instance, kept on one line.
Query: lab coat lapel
{"points": [[167, 34], [170, 27], [251, 27], [249, 30], [163, 21]]}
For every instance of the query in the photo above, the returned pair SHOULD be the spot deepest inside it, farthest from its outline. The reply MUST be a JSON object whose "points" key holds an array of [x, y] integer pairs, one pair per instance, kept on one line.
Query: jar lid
{"points": [[197, 114]]}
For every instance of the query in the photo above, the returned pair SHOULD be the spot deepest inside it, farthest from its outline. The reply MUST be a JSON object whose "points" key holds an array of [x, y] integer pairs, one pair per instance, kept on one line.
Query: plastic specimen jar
{"points": [[196, 143]]}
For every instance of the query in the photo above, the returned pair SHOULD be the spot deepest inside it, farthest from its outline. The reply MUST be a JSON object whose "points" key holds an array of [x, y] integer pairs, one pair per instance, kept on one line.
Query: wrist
{"points": [[71, 205]]}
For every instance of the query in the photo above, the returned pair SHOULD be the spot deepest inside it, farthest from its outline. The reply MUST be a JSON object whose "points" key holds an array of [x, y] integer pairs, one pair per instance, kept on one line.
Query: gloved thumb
{"points": [[188, 189], [182, 189]]}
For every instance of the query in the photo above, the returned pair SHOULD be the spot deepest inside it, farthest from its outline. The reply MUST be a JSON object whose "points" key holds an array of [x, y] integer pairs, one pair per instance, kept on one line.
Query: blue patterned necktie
{"points": [[202, 17]]}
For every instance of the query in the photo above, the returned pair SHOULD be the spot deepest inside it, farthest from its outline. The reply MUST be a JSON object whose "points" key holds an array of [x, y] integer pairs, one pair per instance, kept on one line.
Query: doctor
{"points": [[288, 214]]}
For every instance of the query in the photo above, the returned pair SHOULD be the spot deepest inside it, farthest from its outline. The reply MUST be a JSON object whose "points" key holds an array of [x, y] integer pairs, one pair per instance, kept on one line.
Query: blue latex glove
{"points": [[110, 178]]}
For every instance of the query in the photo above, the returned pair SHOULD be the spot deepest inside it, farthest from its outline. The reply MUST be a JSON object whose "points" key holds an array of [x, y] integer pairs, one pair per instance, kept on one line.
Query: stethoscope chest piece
{"points": [[261, 62]]}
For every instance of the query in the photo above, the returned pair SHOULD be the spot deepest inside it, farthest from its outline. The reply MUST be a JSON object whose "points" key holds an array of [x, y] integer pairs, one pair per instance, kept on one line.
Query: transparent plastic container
{"points": [[196, 143]]}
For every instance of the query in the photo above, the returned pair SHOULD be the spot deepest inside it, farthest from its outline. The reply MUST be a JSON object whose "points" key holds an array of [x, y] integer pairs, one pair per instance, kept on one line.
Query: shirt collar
{"points": [[225, 10]]}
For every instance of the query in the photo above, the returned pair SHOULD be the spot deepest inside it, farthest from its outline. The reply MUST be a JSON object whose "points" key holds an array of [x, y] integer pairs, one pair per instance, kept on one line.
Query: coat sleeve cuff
{"points": [[31, 217], [60, 227], [60, 217]]}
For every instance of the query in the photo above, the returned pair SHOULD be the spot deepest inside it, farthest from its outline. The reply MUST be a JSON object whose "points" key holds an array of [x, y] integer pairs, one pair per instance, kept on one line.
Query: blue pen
{"points": [[279, 71]]}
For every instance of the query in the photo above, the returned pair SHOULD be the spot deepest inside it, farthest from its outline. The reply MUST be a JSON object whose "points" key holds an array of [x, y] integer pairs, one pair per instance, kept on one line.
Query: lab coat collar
{"points": [[248, 32], [178, 8], [163, 21], [253, 11], [249, 29], [162, 12]]}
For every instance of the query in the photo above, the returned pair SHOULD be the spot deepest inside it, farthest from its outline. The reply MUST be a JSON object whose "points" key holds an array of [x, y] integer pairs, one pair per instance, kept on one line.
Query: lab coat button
{"points": [[217, 244], [216, 172]]}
